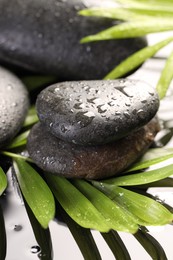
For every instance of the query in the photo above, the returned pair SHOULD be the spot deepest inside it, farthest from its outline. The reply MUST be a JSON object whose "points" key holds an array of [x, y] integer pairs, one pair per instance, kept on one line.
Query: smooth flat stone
{"points": [[96, 112], [92, 162], [44, 37], [14, 103]]}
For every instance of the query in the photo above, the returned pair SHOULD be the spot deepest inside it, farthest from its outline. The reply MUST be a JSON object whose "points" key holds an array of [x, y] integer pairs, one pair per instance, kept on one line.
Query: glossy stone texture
{"points": [[14, 104], [96, 112], [44, 36], [91, 162]]}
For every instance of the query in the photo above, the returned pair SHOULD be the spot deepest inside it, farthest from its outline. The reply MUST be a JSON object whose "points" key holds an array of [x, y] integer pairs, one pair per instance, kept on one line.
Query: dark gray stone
{"points": [[91, 162], [14, 103], [96, 112], [43, 36]]}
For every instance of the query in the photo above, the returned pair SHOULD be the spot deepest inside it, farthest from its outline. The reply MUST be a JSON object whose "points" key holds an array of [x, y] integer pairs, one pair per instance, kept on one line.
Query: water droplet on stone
{"points": [[127, 115], [91, 100], [111, 103], [9, 87], [57, 14], [14, 104], [102, 109], [134, 111], [71, 20], [122, 81], [63, 129], [77, 7], [127, 103], [89, 114], [141, 113], [91, 89], [88, 48], [118, 113], [56, 89], [127, 91], [77, 106], [151, 93], [40, 35], [13, 48], [143, 101]]}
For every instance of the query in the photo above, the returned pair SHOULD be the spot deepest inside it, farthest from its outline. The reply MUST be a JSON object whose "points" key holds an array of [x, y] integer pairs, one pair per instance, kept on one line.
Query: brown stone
{"points": [[91, 162]]}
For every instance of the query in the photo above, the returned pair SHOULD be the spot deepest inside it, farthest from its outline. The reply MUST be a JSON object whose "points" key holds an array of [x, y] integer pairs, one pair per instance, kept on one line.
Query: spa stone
{"points": [[96, 112], [91, 162], [14, 103], [44, 37]]}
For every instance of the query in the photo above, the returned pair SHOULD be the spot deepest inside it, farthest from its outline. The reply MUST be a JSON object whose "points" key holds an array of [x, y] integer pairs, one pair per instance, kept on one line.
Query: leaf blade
{"points": [[19, 140], [82, 236], [131, 29], [165, 78], [151, 245], [143, 207], [151, 157], [116, 245], [113, 13], [77, 206], [148, 4], [3, 181], [31, 118], [136, 59], [116, 217], [140, 178], [37, 193], [42, 235]]}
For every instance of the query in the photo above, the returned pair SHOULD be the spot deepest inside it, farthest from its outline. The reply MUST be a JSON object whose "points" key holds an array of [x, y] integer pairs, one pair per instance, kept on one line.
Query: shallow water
{"points": [[19, 233]]}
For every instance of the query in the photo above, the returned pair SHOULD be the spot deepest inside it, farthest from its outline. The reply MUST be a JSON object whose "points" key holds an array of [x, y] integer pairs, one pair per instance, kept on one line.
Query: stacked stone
{"points": [[93, 129]]}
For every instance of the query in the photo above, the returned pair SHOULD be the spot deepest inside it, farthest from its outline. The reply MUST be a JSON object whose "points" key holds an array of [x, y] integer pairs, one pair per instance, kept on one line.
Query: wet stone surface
{"points": [[14, 104], [91, 162], [44, 37], [96, 112]]}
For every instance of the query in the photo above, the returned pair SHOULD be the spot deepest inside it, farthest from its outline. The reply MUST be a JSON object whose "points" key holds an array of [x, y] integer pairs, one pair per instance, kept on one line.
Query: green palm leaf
{"points": [[117, 246], [36, 192], [82, 236], [150, 244], [113, 13], [131, 29], [42, 236], [152, 157], [78, 207], [139, 178], [141, 206], [137, 59], [166, 77], [3, 181], [116, 217]]}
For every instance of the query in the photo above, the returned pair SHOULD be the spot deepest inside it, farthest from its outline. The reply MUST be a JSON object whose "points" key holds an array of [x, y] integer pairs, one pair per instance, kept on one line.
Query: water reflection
{"points": [[19, 233]]}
